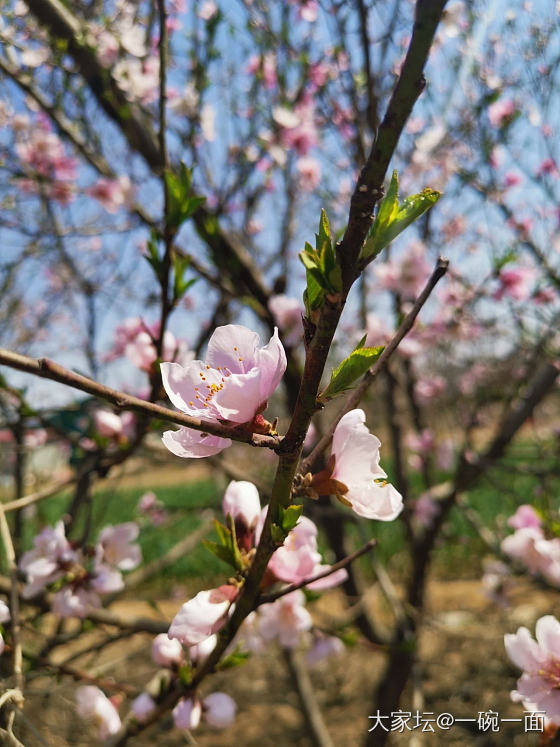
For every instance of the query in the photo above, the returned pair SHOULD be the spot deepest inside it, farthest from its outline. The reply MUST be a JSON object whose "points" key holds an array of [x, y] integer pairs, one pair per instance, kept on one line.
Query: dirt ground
{"points": [[464, 670]]}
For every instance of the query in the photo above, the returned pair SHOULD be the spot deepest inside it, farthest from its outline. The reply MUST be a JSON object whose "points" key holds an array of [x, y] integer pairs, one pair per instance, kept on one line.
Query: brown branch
{"points": [[47, 369], [269, 598]]}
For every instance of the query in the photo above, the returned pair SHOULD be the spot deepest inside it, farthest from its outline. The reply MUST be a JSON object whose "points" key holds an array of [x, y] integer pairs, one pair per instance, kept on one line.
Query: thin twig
{"points": [[28, 500], [354, 398], [313, 717]]}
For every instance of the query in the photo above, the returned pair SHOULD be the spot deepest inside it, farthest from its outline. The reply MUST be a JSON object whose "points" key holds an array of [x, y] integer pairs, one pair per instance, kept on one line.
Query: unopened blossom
{"points": [[202, 616], [116, 546], [285, 619], [218, 710], [241, 501], [93, 705], [166, 651], [540, 662], [142, 707], [233, 385], [108, 424], [187, 713], [202, 650], [355, 474]]}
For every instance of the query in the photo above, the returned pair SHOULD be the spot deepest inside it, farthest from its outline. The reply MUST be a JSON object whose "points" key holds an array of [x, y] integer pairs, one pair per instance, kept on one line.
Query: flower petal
{"points": [[232, 346], [188, 443]]}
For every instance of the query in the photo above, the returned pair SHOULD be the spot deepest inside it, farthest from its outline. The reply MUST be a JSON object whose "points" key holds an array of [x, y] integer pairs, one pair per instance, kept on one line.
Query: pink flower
{"points": [[142, 707], [241, 501], [233, 385], [324, 646], [112, 193], [208, 10], [501, 111], [297, 127], [525, 517], [299, 559], [512, 179], [538, 554], [406, 275], [427, 389], [45, 563], [166, 652], [70, 602], [186, 714], [115, 548], [309, 171], [94, 706], [424, 510], [548, 166], [219, 710], [287, 313], [515, 282], [356, 467], [540, 662], [202, 616], [285, 619]]}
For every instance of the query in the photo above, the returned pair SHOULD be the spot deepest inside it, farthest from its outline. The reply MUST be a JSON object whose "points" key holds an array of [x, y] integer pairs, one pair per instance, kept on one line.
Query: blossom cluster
{"points": [[529, 545], [78, 576], [135, 339]]}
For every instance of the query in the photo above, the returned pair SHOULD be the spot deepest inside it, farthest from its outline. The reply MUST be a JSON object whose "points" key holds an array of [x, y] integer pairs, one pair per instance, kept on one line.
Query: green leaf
{"points": [[182, 203], [226, 549], [351, 368], [389, 205], [289, 517], [221, 552], [322, 269], [234, 659], [278, 535], [392, 218], [180, 284]]}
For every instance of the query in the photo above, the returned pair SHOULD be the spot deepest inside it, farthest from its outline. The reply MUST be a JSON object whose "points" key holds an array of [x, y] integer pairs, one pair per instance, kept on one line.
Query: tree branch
{"points": [[48, 369]]}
